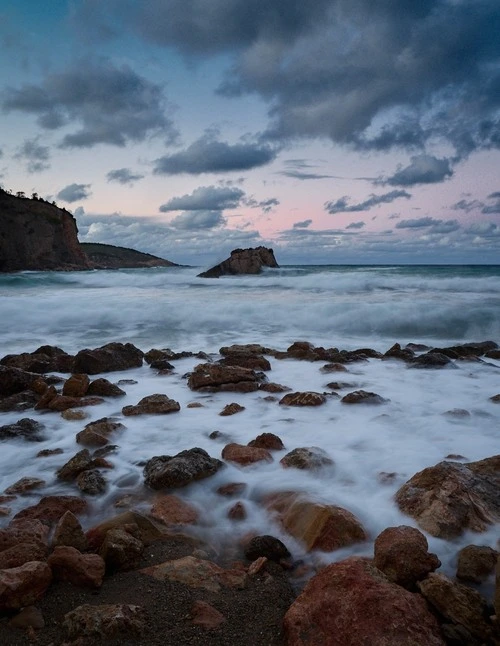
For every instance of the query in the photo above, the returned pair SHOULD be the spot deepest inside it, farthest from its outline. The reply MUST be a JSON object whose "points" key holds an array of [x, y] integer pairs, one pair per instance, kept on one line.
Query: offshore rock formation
{"points": [[243, 261], [36, 235]]}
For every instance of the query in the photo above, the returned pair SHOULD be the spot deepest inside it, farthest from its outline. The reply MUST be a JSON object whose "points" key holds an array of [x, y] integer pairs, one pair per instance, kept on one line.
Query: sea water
{"points": [[333, 306]]}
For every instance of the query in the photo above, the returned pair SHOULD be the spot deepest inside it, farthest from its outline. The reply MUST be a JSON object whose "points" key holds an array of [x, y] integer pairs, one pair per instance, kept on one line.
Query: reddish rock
{"points": [[69, 533], [25, 484], [272, 387], [45, 453], [165, 471], [51, 508], [476, 563], [76, 386], [237, 512], [215, 377], [250, 360], [148, 532], [304, 351], [153, 405], [22, 553], [231, 409], [75, 465], [61, 402], [247, 348], [268, 441], [362, 397], [121, 550], [206, 616], [104, 388], [96, 433], [22, 586], [108, 358], [401, 553], [14, 380], [81, 570], [245, 455], [72, 415], [24, 531], [350, 603], [105, 621], [172, 510], [303, 399], [91, 482], [232, 489], [306, 457], [334, 367]]}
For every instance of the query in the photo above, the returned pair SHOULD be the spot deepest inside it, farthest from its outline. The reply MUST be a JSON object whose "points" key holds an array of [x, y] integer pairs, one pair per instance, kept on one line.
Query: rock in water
{"points": [[243, 261]]}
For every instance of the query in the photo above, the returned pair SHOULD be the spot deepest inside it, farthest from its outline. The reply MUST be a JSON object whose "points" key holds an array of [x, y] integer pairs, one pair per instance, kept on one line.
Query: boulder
{"points": [[81, 570], [26, 428], [96, 433], [476, 563], [237, 512], [153, 405], [60, 403], [24, 531], [306, 457], [266, 546], [14, 380], [303, 399], [165, 471], [22, 553], [245, 455], [91, 482], [75, 465], [231, 409], [104, 388], [108, 358], [213, 377], [105, 621], [268, 441], [362, 397], [448, 498], [243, 261], [401, 553], [25, 484], [24, 585], [397, 352], [51, 508], [272, 387], [76, 386], [69, 533], [246, 349], [250, 360], [352, 602], [172, 510], [431, 360], [121, 550]]}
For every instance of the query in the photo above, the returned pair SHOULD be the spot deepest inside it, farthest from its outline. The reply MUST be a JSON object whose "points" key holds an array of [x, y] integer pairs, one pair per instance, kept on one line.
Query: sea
{"points": [[346, 307]]}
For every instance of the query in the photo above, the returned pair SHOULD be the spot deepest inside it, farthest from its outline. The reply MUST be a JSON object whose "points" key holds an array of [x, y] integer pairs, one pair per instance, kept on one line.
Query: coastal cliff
{"points": [[106, 256]]}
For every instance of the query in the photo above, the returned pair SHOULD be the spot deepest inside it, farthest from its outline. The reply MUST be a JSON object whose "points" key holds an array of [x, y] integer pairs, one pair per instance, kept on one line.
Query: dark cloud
{"points": [[74, 192], [355, 225], [123, 176], [467, 205], [303, 224], [483, 229], [341, 205], [266, 205], [491, 208], [196, 220], [210, 155], [417, 223], [423, 169], [445, 226], [34, 154], [207, 198], [297, 174], [494, 196], [112, 105]]}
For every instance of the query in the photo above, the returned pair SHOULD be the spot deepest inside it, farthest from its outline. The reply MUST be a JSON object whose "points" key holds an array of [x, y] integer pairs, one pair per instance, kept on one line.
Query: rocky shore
{"points": [[82, 565]]}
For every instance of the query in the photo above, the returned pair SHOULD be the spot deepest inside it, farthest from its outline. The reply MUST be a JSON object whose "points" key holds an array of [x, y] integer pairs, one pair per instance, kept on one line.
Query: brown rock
{"points": [[22, 586], [172, 510], [237, 512], [148, 531], [45, 453], [401, 553], [69, 533], [75, 465], [81, 570], [268, 441], [215, 377], [243, 261], [206, 616], [232, 489], [76, 386], [362, 397], [121, 550], [61, 402], [334, 367], [495, 399], [476, 563], [72, 415], [31, 616], [14, 380], [303, 399], [250, 360], [105, 621], [22, 553], [91, 482], [351, 603], [108, 358], [104, 388], [245, 455], [25, 484], [231, 409], [248, 348], [51, 508], [164, 471], [272, 387], [96, 433], [306, 457], [153, 405], [23, 531]]}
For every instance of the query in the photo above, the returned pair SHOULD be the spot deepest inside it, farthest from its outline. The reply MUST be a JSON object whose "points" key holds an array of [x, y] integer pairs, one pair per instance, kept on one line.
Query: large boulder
{"points": [[14, 380], [245, 455], [216, 377], [22, 586], [476, 563], [46, 358], [352, 602], [50, 508], [26, 428], [165, 471], [108, 358], [448, 498], [157, 404], [243, 261], [82, 570]]}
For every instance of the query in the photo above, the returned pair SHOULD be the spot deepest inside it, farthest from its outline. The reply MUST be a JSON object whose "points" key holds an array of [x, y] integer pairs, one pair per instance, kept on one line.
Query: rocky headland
{"points": [[243, 261], [106, 256]]}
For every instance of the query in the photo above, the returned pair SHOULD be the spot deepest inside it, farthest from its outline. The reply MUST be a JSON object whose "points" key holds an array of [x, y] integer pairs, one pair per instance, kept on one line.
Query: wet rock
{"points": [[215, 377], [303, 399], [61, 403], [51, 508], [69, 533], [96, 433], [272, 387], [104, 388], [268, 546], [334, 367], [243, 261], [14, 380], [268, 441], [457, 413], [121, 550], [153, 405], [495, 399], [304, 351], [105, 621], [338, 385], [81, 570], [401, 553], [252, 361], [206, 616], [165, 471], [19, 402], [352, 602], [476, 563], [231, 409], [232, 489], [72, 415], [26, 429], [23, 586], [44, 359], [396, 352], [163, 365], [108, 358], [448, 498], [306, 457], [22, 553], [23, 531], [147, 530], [363, 397], [245, 455], [75, 465], [458, 603], [45, 453], [91, 482], [431, 360], [237, 512], [492, 354], [76, 386], [25, 484], [467, 349], [248, 348], [172, 510]]}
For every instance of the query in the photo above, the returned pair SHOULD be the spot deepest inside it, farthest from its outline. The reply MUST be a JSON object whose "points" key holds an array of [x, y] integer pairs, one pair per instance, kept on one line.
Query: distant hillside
{"points": [[106, 256]]}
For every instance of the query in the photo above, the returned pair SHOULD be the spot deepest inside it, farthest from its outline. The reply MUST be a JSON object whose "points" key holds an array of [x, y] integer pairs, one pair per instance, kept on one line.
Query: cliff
{"points": [[36, 235], [106, 256], [243, 261]]}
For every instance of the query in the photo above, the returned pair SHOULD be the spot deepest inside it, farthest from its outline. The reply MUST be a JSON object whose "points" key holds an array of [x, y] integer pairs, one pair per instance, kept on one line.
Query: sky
{"points": [[333, 131]]}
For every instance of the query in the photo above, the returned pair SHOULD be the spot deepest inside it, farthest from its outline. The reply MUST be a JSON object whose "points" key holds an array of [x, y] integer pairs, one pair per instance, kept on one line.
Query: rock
{"points": [[396, 352], [96, 433], [51, 508], [14, 380], [266, 546], [69, 533], [237, 512], [72, 415], [495, 399], [252, 361], [197, 573], [187, 466], [350, 603], [231, 409], [148, 532], [318, 526], [26, 428], [401, 553], [431, 360], [215, 377], [172, 510], [104, 388], [243, 261], [206, 616], [153, 405], [25, 484], [272, 387], [31, 616], [108, 358], [362, 397], [476, 563], [448, 498], [24, 531], [467, 349], [22, 553], [334, 367], [120, 550], [22, 586], [268, 441], [458, 603], [45, 453], [91, 482], [232, 489], [259, 565], [19, 402], [61, 403], [107, 256], [76, 386], [306, 457], [303, 399], [304, 351], [81, 570], [245, 455], [105, 621], [246, 349], [75, 465]]}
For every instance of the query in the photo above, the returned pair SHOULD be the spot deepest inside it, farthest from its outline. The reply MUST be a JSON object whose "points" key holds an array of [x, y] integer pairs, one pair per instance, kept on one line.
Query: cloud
{"points": [[74, 192], [355, 225], [123, 176], [423, 169], [302, 225], [196, 220], [208, 198], [417, 223], [467, 205], [483, 229], [110, 104], [36, 155], [266, 205], [445, 226], [494, 196], [341, 205], [210, 155]]}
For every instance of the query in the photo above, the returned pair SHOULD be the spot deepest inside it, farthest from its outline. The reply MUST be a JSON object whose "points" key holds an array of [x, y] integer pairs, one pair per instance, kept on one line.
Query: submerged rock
{"points": [[26, 428], [165, 471], [243, 261], [303, 399], [306, 457]]}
